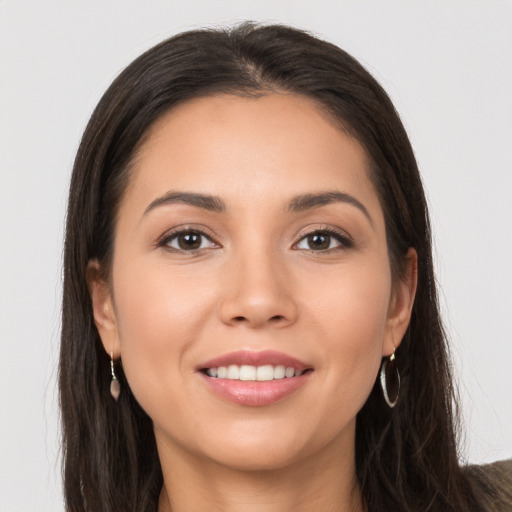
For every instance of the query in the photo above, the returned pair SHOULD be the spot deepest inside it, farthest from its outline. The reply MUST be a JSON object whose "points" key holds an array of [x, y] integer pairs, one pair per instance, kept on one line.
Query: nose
{"points": [[258, 292]]}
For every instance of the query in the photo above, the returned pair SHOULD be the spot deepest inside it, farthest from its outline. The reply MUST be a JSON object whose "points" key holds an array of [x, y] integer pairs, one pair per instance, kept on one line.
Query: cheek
{"points": [[159, 316], [350, 316]]}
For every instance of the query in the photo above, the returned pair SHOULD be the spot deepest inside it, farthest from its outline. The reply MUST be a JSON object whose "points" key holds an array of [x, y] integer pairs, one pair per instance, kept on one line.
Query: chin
{"points": [[271, 446], [257, 457]]}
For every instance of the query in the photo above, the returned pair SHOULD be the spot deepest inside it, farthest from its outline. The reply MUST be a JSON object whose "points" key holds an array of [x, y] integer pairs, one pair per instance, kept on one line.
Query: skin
{"points": [[256, 283]]}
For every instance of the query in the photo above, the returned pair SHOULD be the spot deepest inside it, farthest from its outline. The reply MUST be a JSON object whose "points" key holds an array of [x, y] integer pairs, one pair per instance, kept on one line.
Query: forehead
{"points": [[258, 148]]}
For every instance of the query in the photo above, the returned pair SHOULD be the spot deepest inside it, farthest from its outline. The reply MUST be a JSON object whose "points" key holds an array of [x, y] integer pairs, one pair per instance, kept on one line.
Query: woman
{"points": [[250, 317]]}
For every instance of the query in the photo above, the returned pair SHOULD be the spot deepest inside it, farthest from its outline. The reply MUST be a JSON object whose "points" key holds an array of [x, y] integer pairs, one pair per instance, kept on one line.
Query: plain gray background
{"points": [[447, 66]]}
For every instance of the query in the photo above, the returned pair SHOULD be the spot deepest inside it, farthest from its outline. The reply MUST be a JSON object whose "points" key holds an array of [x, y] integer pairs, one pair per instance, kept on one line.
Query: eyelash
{"points": [[343, 239], [168, 238]]}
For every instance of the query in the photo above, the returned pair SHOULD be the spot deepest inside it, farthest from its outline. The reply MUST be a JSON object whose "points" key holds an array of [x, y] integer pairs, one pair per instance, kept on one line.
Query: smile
{"points": [[254, 378], [253, 373]]}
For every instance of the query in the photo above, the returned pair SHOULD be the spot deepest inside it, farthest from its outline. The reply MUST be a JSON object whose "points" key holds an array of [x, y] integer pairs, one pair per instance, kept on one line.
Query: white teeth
{"points": [[253, 373], [233, 372], [289, 372], [247, 372], [265, 372], [279, 372]]}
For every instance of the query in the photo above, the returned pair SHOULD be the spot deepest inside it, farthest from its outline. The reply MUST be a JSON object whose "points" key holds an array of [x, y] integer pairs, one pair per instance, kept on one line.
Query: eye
{"points": [[188, 241], [323, 240]]}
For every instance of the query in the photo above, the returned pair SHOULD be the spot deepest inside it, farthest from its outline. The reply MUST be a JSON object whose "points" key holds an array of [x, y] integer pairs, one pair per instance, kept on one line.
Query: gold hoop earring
{"points": [[390, 380], [115, 386]]}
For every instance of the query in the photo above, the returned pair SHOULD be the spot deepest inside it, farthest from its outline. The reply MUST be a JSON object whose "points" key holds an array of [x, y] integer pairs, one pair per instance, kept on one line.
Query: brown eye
{"points": [[188, 241], [324, 241], [318, 241]]}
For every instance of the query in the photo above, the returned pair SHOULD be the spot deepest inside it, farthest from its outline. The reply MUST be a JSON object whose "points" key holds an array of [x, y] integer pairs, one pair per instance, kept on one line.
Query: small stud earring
{"points": [[115, 386], [390, 380]]}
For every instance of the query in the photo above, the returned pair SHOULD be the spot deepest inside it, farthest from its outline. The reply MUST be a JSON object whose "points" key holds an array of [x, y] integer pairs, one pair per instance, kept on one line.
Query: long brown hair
{"points": [[406, 457]]}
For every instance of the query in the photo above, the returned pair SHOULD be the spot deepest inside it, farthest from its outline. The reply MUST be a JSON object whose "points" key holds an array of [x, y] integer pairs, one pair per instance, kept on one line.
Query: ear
{"points": [[400, 305], [103, 309]]}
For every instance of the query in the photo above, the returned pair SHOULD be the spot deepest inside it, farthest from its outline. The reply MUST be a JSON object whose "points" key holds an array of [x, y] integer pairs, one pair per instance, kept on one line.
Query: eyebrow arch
{"points": [[211, 203], [309, 201], [297, 204]]}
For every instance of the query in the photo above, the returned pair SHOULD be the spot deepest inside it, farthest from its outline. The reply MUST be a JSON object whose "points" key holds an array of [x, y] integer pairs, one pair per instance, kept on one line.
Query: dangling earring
{"points": [[390, 380], [115, 386]]}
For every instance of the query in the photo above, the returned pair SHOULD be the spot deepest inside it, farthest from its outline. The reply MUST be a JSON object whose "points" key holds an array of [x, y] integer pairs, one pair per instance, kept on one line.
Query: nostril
{"points": [[274, 319]]}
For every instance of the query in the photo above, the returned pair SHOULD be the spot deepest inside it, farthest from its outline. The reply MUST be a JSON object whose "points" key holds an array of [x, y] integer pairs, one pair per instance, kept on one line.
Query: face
{"points": [[252, 297]]}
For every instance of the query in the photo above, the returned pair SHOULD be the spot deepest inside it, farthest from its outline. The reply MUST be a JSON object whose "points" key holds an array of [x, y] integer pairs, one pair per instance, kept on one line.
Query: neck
{"points": [[326, 482]]}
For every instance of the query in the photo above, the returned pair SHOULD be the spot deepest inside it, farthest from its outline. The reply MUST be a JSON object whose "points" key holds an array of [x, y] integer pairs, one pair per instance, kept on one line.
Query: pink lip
{"points": [[251, 358], [253, 393]]}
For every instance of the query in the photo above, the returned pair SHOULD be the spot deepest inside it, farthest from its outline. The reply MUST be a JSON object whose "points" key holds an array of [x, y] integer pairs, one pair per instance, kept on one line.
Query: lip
{"points": [[252, 358], [255, 393]]}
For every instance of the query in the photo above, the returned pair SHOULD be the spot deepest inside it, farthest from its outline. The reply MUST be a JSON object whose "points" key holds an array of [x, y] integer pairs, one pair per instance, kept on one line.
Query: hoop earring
{"points": [[115, 386], [390, 380]]}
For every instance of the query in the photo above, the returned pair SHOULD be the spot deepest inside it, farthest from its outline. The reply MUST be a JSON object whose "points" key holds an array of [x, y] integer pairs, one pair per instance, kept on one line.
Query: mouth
{"points": [[254, 378], [250, 373]]}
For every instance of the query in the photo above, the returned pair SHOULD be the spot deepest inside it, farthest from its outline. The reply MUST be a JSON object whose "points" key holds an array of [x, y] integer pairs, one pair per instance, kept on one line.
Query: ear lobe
{"points": [[402, 301], [103, 308]]}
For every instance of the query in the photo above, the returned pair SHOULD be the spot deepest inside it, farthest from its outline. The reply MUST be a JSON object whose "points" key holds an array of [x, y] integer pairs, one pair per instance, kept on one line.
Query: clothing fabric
{"points": [[494, 481]]}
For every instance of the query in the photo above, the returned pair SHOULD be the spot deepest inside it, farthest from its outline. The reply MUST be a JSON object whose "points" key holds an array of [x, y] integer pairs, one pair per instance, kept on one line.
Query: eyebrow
{"points": [[308, 201], [298, 203], [207, 202]]}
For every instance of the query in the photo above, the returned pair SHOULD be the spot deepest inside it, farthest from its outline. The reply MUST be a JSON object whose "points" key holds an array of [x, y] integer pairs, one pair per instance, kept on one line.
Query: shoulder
{"points": [[503, 467], [492, 483], [497, 472]]}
